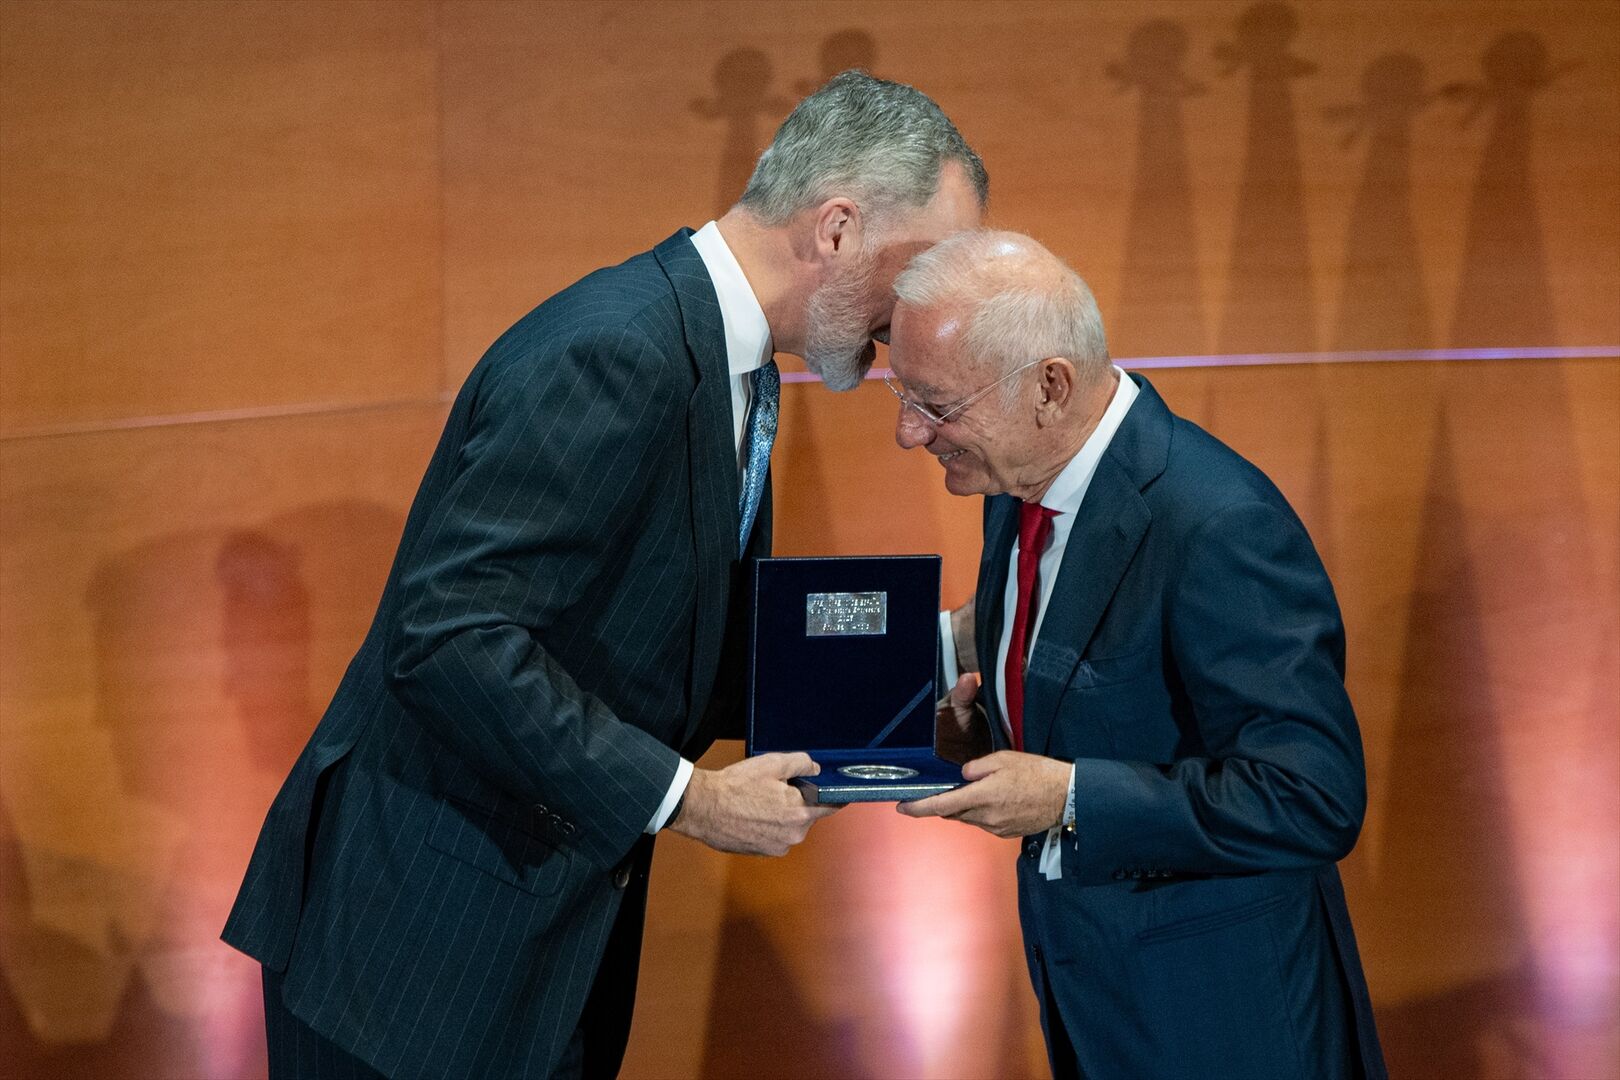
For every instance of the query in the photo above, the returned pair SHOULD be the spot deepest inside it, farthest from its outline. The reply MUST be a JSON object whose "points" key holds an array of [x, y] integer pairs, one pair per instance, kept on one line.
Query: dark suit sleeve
{"points": [[1256, 639], [560, 454]]}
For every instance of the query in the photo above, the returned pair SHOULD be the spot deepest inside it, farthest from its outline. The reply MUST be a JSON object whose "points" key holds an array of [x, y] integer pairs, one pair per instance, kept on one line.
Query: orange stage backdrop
{"points": [[247, 250]]}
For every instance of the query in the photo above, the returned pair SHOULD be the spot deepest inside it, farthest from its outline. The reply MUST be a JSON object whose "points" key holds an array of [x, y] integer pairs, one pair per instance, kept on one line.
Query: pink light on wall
{"points": [[924, 896]]}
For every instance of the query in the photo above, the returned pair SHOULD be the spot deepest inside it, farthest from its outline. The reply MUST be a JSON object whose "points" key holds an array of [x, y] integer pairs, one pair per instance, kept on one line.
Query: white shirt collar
{"points": [[1068, 489], [748, 335]]}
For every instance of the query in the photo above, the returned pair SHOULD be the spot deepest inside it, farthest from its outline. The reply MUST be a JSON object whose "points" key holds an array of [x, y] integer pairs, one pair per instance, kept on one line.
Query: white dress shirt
{"points": [[1066, 495], [748, 347]]}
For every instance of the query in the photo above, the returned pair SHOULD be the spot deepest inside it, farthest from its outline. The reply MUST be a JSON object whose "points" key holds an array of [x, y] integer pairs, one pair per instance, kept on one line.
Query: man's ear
{"points": [[1058, 382], [836, 223]]}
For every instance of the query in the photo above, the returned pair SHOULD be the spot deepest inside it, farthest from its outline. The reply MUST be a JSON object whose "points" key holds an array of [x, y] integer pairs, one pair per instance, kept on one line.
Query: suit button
{"points": [[1119, 875], [1136, 874], [1032, 848], [621, 877], [1035, 950], [567, 828]]}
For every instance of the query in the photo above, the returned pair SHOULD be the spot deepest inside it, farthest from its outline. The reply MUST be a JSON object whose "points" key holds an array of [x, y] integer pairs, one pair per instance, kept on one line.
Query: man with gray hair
{"points": [[453, 878], [1162, 719]]}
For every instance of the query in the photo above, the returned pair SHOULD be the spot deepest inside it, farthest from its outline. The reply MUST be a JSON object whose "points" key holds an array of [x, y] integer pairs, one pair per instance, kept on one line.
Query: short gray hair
{"points": [[1019, 301], [880, 143]]}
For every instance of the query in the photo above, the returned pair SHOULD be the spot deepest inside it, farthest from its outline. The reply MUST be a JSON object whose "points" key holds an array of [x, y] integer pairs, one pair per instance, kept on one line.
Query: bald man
{"points": [[1163, 719]]}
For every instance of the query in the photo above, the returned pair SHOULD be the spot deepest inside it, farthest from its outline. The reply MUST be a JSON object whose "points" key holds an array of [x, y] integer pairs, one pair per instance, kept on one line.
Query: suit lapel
{"points": [[1107, 531], [713, 459], [1108, 528], [1000, 529]]}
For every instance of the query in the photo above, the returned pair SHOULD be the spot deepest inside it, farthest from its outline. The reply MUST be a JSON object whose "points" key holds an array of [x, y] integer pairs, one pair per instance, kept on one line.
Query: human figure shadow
{"points": [[1273, 415], [1269, 303], [1384, 303], [1444, 816], [1160, 309], [1503, 297], [758, 1023], [744, 100], [211, 651], [1549, 635], [71, 1006], [265, 644], [841, 51]]}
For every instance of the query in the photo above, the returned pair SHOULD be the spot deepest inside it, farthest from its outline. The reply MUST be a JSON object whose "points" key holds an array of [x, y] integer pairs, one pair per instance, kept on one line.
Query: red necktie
{"points": [[1034, 530]]}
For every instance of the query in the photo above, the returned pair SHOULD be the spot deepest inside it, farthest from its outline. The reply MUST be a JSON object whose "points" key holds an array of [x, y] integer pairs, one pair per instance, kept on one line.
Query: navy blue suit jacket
{"points": [[1191, 664], [440, 876]]}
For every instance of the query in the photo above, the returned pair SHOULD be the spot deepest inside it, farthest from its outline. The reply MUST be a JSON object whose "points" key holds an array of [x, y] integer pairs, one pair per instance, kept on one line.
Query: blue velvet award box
{"points": [[842, 667]]}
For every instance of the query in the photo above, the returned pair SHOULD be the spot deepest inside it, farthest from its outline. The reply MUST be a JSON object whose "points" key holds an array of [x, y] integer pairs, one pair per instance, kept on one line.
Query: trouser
{"points": [[594, 1050]]}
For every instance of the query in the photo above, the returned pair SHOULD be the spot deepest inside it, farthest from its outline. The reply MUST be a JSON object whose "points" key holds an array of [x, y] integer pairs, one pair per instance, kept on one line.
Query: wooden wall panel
{"points": [[216, 206], [263, 207], [1469, 515], [1335, 176], [876, 948], [560, 121], [176, 606]]}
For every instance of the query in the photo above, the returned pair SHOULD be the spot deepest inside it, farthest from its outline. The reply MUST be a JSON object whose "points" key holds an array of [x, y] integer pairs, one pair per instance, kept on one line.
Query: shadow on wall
{"points": [[756, 1015], [265, 643], [1446, 816], [842, 50], [1269, 302], [750, 109], [1384, 303], [1549, 664], [1503, 298], [1160, 309], [70, 1004], [213, 655], [1478, 1028]]}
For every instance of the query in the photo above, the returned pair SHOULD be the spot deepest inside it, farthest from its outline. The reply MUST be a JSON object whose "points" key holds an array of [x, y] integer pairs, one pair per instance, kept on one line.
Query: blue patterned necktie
{"points": [[761, 428]]}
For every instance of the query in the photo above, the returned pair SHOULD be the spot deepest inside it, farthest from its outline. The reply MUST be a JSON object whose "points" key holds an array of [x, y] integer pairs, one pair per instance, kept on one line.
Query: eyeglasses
{"points": [[937, 417]]}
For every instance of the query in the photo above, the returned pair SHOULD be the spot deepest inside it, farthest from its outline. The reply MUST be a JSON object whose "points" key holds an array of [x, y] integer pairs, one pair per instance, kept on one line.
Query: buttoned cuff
{"points": [[1052, 850]]}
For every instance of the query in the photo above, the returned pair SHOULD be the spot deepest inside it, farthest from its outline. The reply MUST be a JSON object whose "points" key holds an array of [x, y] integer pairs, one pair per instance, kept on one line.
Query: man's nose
{"points": [[911, 429]]}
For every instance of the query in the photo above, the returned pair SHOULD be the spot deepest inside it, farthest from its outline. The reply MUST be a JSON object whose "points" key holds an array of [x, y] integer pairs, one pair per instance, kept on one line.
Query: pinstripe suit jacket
{"points": [[439, 874]]}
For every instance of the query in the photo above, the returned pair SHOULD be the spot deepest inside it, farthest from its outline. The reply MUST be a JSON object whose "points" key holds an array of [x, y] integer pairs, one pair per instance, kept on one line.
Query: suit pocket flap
{"points": [[1215, 920], [1100, 671], [497, 845]]}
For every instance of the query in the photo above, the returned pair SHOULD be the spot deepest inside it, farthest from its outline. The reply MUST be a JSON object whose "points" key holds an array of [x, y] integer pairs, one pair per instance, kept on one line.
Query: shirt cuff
{"points": [[677, 788], [1052, 850], [1068, 805], [947, 651]]}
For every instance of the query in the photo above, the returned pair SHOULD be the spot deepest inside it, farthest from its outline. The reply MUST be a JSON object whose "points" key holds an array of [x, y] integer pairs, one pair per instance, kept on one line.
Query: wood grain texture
{"points": [[209, 206], [267, 206]]}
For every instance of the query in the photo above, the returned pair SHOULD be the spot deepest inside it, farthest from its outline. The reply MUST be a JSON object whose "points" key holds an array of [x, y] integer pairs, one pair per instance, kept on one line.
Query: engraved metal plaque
{"points": [[878, 772], [846, 614]]}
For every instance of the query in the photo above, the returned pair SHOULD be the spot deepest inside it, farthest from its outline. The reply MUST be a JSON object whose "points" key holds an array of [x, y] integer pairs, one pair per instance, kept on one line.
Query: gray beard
{"points": [[838, 346]]}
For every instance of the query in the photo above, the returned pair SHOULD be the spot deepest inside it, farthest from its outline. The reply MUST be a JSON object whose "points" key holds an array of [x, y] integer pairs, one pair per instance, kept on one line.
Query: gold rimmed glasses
{"points": [[937, 415]]}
